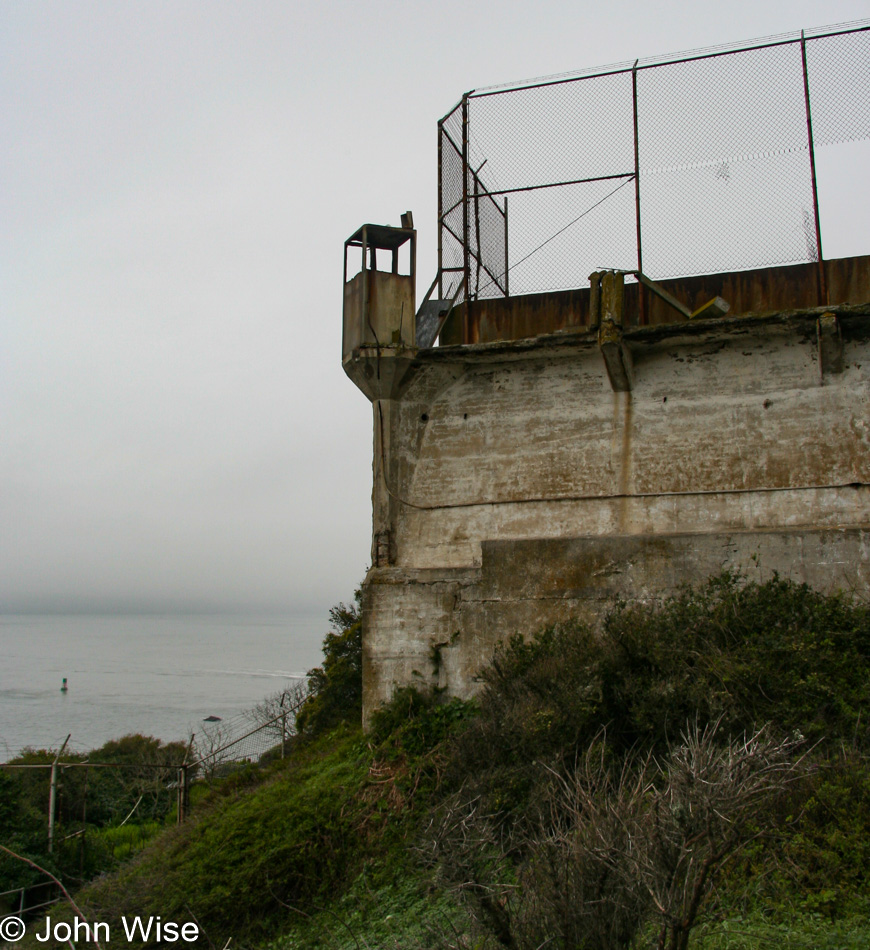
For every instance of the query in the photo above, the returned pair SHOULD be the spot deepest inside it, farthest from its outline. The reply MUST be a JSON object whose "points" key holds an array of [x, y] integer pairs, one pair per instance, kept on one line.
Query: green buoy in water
{"points": [[64, 687]]}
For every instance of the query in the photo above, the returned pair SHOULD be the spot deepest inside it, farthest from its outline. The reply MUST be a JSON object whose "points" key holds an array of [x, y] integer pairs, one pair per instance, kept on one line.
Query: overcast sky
{"points": [[176, 183]]}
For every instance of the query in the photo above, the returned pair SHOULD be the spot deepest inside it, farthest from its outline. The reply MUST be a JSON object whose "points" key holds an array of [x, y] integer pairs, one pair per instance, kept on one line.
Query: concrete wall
{"points": [[514, 487]]}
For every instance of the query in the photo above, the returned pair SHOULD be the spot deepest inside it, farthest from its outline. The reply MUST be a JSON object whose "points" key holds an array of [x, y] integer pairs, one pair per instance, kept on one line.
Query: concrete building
{"points": [[522, 479], [557, 449]]}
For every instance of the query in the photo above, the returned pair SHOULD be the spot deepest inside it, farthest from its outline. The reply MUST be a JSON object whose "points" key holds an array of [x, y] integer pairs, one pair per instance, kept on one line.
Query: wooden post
{"points": [[52, 795], [184, 779], [84, 827]]}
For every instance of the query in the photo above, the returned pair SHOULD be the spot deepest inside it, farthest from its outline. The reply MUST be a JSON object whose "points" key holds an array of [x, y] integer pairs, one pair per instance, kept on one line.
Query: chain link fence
{"points": [[256, 736], [673, 166]]}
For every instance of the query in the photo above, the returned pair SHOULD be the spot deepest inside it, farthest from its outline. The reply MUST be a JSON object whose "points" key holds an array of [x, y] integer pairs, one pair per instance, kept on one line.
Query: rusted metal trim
{"points": [[823, 287], [669, 299]]}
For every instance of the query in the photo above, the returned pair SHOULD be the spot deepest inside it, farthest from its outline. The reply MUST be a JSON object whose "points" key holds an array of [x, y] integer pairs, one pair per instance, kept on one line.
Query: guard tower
{"points": [[379, 313], [379, 304]]}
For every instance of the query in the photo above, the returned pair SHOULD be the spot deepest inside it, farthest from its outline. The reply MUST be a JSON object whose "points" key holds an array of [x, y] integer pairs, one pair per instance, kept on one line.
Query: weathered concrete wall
{"points": [[513, 487]]}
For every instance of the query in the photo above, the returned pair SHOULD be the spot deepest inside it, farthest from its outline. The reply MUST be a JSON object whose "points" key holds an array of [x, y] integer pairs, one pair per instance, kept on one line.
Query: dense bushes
{"points": [[720, 661], [89, 801], [745, 654], [262, 856]]}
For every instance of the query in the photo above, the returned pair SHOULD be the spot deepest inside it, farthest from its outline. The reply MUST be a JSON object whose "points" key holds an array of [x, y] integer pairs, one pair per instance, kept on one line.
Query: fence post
{"points": [[466, 257], [823, 284], [477, 235], [52, 795], [283, 732], [641, 298], [179, 795], [183, 780], [183, 792], [506, 267], [440, 211]]}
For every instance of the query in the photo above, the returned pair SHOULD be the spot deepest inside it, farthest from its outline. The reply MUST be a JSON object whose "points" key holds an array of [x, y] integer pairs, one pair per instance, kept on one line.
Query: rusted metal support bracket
{"points": [[830, 345], [607, 298], [717, 307]]}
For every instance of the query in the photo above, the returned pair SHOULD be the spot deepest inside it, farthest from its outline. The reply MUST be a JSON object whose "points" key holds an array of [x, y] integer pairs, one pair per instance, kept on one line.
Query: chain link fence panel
{"points": [[676, 166]]}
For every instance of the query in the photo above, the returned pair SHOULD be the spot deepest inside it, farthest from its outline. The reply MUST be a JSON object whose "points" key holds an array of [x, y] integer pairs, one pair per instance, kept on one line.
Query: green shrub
{"points": [[336, 826], [414, 723], [747, 653], [335, 689]]}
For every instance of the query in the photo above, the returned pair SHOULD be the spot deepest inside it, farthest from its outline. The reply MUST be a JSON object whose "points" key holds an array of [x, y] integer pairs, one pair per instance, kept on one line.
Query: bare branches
{"points": [[614, 844], [277, 712], [705, 805]]}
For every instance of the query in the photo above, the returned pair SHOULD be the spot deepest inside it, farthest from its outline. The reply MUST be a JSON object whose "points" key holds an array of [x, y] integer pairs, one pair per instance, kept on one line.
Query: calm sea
{"points": [[158, 675]]}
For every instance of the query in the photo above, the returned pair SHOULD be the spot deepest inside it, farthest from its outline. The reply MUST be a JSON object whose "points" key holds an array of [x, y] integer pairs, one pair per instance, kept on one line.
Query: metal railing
{"points": [[673, 166], [18, 899]]}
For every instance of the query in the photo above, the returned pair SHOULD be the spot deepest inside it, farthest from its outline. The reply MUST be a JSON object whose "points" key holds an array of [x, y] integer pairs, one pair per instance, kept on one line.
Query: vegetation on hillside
{"points": [[774, 678], [691, 775], [92, 804]]}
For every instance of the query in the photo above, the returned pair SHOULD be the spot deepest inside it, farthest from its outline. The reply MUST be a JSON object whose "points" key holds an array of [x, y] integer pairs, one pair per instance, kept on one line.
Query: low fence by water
{"points": [[74, 804]]}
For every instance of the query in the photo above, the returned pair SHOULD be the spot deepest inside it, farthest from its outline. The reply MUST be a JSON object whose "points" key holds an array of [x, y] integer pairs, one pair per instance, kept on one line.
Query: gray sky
{"points": [[178, 179]]}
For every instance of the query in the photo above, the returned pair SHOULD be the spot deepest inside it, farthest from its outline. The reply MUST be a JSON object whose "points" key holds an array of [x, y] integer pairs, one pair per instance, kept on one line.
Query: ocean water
{"points": [[158, 675]]}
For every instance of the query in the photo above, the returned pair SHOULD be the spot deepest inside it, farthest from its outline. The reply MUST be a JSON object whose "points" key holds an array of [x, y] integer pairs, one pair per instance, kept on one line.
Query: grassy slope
{"points": [[266, 853]]}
